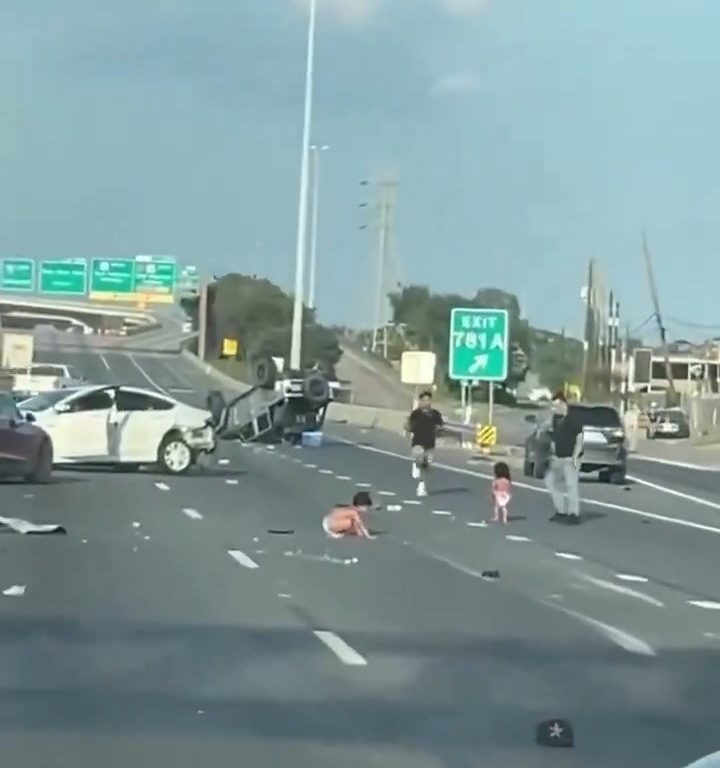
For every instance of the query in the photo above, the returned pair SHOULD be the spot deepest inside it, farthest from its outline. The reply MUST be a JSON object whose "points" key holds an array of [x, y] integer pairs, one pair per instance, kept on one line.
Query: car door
{"points": [[16, 436], [141, 421], [80, 431]]}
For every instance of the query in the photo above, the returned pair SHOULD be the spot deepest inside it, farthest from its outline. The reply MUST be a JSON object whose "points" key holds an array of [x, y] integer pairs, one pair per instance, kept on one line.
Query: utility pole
{"points": [[589, 342], [671, 393], [386, 205], [203, 320]]}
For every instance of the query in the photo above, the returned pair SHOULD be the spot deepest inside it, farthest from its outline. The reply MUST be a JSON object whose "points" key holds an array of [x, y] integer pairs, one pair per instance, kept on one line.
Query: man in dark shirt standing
{"points": [[423, 424], [563, 476]]}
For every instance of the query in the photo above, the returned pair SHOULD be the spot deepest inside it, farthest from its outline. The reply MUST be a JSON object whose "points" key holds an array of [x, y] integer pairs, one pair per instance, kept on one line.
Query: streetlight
{"points": [[297, 320], [316, 150]]}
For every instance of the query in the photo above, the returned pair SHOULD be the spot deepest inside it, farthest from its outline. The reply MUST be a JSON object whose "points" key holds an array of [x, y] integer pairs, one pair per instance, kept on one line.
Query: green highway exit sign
{"points": [[479, 344], [17, 275], [66, 276]]}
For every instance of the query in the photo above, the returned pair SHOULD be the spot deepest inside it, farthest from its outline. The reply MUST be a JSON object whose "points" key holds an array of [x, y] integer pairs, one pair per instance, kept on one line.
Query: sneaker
{"points": [[421, 490], [558, 517], [573, 519], [415, 471]]}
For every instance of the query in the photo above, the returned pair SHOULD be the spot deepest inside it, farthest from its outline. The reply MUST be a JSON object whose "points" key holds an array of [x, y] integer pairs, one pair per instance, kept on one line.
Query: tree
{"points": [[258, 314], [426, 320]]}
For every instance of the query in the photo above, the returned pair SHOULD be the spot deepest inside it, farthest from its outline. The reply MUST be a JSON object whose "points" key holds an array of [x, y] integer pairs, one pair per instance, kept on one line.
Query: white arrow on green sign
{"points": [[479, 344]]}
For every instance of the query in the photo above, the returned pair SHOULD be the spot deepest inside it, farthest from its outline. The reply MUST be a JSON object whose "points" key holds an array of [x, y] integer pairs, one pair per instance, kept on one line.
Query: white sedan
{"points": [[122, 426]]}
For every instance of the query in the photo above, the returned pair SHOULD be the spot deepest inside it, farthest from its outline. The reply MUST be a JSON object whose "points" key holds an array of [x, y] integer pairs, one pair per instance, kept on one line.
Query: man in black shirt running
{"points": [[423, 424], [563, 476]]}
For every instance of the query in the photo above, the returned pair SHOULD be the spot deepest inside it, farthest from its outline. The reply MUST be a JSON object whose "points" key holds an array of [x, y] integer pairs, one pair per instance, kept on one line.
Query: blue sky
{"points": [[527, 135]]}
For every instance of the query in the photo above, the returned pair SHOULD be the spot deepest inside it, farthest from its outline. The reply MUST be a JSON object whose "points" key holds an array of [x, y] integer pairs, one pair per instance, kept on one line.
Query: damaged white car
{"points": [[125, 427]]}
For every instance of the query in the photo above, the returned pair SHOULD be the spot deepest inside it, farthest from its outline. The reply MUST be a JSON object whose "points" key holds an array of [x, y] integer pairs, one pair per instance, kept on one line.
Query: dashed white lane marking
{"points": [[242, 558], [709, 605], [363, 485], [443, 512], [618, 636], [609, 585], [394, 507], [181, 391], [285, 595], [136, 524], [386, 493], [193, 514], [631, 577], [346, 653], [519, 484], [162, 486], [481, 524], [223, 462], [343, 477], [677, 494], [147, 376], [568, 556], [231, 481], [104, 361], [298, 461], [512, 537], [17, 590], [326, 471], [412, 502], [310, 466]]}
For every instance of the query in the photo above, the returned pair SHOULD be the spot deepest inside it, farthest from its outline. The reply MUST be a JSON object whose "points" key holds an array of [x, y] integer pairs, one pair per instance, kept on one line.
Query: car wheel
{"points": [[175, 456], [42, 471]]}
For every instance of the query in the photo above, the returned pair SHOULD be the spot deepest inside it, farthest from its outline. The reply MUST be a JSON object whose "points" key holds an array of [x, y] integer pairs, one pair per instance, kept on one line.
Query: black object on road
{"points": [[555, 733]]}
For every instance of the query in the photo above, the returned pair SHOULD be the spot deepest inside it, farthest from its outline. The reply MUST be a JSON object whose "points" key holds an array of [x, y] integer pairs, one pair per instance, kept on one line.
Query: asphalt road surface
{"points": [[170, 626]]}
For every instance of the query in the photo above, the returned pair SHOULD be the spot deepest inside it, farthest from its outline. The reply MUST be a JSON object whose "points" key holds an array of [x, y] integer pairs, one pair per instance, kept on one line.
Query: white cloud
{"points": [[456, 83]]}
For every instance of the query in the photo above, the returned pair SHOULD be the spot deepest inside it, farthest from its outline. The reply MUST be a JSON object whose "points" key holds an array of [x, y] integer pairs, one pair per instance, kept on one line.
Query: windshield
{"points": [[674, 417], [45, 400], [598, 417]]}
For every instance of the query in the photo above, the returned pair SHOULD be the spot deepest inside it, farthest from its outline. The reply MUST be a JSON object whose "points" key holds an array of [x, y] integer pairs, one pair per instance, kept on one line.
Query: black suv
{"points": [[604, 445]]}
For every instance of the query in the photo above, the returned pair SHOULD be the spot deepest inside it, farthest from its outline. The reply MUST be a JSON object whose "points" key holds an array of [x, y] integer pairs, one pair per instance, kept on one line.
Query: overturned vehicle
{"points": [[276, 408]]}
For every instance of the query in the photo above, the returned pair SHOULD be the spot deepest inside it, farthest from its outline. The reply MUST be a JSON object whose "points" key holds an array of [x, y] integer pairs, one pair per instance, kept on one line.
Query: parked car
{"points": [[604, 444], [25, 449], [668, 422]]}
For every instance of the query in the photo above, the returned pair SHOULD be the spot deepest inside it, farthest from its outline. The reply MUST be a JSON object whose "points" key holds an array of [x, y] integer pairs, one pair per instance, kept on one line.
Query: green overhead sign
{"points": [[17, 275], [65, 276]]}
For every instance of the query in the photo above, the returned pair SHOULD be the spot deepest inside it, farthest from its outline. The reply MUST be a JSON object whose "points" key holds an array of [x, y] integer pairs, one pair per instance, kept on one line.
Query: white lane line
{"points": [[347, 654], [673, 492], [344, 477], [104, 361], [631, 577], [519, 484], [481, 524], [568, 556], [17, 590], [363, 485], [147, 376], [310, 466], [616, 635], [673, 463], [193, 514], [298, 461], [181, 391], [231, 481], [326, 471], [609, 585], [386, 493], [242, 558], [394, 507], [285, 595], [162, 486], [443, 512], [223, 462], [136, 524], [512, 537], [709, 605], [413, 502]]}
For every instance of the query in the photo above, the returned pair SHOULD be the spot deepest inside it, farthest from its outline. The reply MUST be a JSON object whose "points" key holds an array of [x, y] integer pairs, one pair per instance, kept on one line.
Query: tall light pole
{"points": [[297, 320], [316, 150]]}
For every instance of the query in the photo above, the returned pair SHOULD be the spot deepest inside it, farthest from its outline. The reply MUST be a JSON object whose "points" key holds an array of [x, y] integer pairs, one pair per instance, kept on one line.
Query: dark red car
{"points": [[25, 449]]}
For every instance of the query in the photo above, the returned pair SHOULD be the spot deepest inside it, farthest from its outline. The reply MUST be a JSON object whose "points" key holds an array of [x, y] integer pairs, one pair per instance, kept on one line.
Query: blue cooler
{"points": [[312, 439]]}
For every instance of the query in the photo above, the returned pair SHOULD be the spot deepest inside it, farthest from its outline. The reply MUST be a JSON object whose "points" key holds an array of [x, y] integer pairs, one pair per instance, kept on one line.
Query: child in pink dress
{"points": [[501, 492]]}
